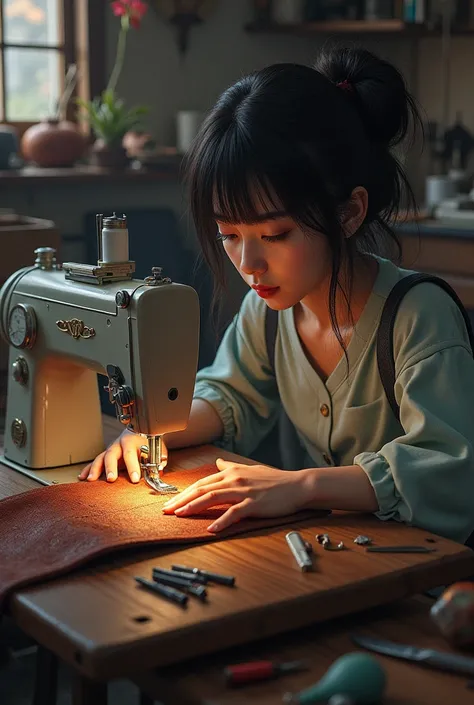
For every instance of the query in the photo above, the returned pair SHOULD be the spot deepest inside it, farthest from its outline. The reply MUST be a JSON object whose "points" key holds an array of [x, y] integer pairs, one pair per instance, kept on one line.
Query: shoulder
{"points": [[428, 321]]}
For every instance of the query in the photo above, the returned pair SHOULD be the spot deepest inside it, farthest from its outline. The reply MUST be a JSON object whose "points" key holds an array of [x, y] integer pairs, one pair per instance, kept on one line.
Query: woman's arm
{"points": [[346, 488], [262, 491], [204, 426]]}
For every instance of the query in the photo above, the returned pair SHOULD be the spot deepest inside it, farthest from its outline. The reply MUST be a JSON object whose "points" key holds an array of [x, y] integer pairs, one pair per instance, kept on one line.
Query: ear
{"points": [[355, 211]]}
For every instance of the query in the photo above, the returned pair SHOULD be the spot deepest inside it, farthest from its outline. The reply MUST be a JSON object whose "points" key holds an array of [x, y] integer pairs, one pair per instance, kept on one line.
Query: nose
{"points": [[251, 259]]}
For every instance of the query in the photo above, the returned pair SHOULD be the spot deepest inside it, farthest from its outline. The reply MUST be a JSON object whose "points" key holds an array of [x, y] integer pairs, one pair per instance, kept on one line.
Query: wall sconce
{"points": [[184, 14]]}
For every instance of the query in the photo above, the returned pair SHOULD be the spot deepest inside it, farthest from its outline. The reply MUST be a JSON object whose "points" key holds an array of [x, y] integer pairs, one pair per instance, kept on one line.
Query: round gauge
{"points": [[22, 326]]}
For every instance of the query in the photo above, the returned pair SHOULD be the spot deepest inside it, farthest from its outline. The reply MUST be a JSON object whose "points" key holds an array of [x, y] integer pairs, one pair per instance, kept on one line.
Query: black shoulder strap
{"points": [[271, 328], [385, 356]]}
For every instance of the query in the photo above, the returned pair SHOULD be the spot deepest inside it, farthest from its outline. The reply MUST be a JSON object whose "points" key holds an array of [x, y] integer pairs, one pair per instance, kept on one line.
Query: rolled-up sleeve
{"points": [[240, 384], [426, 476]]}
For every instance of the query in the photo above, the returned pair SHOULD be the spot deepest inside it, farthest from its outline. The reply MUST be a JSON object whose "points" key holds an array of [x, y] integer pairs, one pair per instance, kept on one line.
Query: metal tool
{"points": [[200, 579], [212, 577], [362, 540], [327, 544], [253, 671], [399, 549], [427, 657], [64, 324], [198, 591], [152, 465], [297, 545], [169, 593]]}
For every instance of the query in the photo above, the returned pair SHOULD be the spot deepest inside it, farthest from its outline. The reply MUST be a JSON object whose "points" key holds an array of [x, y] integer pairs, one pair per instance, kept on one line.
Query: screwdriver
{"points": [[253, 671]]}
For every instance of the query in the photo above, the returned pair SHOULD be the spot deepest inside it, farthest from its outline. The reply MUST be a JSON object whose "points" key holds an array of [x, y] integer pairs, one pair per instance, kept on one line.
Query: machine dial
{"points": [[22, 326]]}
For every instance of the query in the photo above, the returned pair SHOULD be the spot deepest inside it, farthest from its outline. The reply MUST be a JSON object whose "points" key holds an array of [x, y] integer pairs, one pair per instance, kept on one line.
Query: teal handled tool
{"points": [[357, 676]]}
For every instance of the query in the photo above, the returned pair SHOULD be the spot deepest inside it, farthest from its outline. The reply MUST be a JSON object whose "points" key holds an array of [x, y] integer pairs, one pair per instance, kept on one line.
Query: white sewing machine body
{"points": [[64, 327]]}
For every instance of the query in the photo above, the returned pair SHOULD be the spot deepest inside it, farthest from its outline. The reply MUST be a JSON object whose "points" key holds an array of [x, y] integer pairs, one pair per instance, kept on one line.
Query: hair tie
{"points": [[345, 86]]}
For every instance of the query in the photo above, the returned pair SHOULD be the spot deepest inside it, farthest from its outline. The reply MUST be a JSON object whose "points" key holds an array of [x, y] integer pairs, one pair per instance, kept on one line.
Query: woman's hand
{"points": [[253, 491], [124, 452]]}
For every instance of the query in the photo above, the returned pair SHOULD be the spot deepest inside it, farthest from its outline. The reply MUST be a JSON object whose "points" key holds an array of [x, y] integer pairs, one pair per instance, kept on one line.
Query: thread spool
{"points": [[115, 239]]}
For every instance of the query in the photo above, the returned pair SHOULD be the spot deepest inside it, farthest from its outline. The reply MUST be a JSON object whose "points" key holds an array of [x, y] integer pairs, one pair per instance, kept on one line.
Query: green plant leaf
{"points": [[109, 117]]}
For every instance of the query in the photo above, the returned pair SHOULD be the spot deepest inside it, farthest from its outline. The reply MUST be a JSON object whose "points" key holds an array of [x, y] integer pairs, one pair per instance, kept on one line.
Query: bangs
{"points": [[228, 183], [241, 192]]}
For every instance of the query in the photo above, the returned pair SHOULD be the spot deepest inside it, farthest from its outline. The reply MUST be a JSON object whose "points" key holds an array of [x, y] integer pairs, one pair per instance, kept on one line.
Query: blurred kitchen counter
{"points": [[444, 250]]}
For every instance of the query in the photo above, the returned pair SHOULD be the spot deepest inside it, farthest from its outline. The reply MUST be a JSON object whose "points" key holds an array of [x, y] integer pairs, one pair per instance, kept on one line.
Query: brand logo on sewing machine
{"points": [[76, 328]]}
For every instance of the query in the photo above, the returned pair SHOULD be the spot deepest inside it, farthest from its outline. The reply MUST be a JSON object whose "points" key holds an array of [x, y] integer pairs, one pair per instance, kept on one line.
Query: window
{"points": [[39, 39]]}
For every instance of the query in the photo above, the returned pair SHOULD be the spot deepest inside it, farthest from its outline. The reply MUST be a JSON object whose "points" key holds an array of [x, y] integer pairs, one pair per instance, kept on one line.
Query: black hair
{"points": [[291, 135]]}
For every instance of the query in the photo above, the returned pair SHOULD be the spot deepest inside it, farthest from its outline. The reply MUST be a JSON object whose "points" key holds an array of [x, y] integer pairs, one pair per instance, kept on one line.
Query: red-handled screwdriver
{"points": [[253, 671]]}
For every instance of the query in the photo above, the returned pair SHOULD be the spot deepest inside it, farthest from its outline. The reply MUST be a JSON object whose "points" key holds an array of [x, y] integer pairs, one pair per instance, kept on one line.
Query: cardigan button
{"points": [[324, 409]]}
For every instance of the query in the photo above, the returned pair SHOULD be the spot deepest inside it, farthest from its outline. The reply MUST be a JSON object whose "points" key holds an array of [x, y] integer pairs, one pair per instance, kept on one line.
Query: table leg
{"points": [[88, 692], [46, 677]]}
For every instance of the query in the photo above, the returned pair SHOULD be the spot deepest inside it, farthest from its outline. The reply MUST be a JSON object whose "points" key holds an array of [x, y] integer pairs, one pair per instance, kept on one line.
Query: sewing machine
{"points": [[66, 323]]}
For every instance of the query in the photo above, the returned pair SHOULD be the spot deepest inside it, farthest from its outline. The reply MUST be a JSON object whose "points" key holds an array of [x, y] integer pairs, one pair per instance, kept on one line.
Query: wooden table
{"points": [[98, 621], [201, 680]]}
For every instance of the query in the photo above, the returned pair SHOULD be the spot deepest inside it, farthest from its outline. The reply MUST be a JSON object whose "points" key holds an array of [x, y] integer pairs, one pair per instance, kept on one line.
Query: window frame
{"points": [[83, 27]]}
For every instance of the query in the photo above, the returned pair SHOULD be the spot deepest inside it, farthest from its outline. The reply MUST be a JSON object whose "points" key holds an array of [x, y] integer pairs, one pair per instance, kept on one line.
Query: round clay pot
{"points": [[108, 156], [53, 143]]}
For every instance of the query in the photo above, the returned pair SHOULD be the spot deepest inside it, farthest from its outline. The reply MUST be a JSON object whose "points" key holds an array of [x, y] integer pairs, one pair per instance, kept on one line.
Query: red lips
{"points": [[265, 291]]}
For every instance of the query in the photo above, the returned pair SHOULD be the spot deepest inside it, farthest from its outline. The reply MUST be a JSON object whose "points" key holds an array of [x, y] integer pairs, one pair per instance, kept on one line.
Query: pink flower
{"points": [[133, 9]]}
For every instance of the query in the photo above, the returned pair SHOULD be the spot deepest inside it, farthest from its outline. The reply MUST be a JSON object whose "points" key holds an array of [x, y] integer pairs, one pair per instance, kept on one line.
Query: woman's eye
{"points": [[268, 238], [276, 238]]}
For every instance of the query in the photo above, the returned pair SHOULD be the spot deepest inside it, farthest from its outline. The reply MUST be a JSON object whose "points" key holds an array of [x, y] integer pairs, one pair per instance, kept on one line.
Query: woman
{"points": [[293, 178]]}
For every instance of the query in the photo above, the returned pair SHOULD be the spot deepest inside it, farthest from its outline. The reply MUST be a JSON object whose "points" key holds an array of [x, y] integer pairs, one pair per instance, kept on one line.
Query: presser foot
{"points": [[154, 481], [152, 466]]}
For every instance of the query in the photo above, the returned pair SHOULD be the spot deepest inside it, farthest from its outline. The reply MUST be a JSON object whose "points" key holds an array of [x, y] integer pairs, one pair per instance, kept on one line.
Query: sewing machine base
{"points": [[65, 474], [62, 475]]}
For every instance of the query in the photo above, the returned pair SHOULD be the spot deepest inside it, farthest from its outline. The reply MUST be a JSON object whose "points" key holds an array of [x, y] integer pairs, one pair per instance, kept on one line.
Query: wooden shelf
{"points": [[29, 176], [369, 27]]}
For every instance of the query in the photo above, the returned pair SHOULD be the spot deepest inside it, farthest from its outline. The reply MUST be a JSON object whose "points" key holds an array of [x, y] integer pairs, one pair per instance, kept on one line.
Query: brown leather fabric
{"points": [[49, 531]]}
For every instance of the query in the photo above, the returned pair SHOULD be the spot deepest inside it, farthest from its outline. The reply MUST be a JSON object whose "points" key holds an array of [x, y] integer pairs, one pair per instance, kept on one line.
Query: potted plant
{"points": [[56, 141], [108, 116]]}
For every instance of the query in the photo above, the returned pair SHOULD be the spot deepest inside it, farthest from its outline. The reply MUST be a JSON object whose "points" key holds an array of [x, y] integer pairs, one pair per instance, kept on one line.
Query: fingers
{"points": [[130, 453], [184, 498], [94, 469], [198, 489], [110, 464], [126, 448], [211, 498], [231, 516], [84, 473]]}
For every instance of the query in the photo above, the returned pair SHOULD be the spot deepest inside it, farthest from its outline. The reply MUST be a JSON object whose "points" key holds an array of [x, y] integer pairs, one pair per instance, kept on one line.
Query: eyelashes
{"points": [[267, 238]]}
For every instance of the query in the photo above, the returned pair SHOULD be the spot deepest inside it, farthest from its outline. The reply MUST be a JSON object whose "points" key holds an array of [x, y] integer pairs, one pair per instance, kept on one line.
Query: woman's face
{"points": [[275, 253]]}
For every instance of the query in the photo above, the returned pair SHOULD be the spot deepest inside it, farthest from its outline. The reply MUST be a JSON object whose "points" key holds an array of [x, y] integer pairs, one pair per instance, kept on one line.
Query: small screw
{"points": [[362, 540], [321, 538], [328, 546]]}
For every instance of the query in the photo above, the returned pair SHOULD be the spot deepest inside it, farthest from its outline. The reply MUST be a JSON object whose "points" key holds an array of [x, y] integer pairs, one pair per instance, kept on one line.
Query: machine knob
{"points": [[122, 298], [45, 258], [20, 370], [156, 279]]}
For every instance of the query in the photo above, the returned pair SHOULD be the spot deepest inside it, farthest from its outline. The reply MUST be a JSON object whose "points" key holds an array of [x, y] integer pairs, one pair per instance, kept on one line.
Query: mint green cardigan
{"points": [[422, 469]]}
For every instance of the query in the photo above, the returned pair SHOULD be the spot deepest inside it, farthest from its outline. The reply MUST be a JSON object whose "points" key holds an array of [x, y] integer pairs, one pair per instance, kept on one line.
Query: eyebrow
{"points": [[271, 215]]}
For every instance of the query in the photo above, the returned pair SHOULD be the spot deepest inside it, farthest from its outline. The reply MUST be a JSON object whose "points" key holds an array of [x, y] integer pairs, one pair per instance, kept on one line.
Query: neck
{"points": [[351, 297]]}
